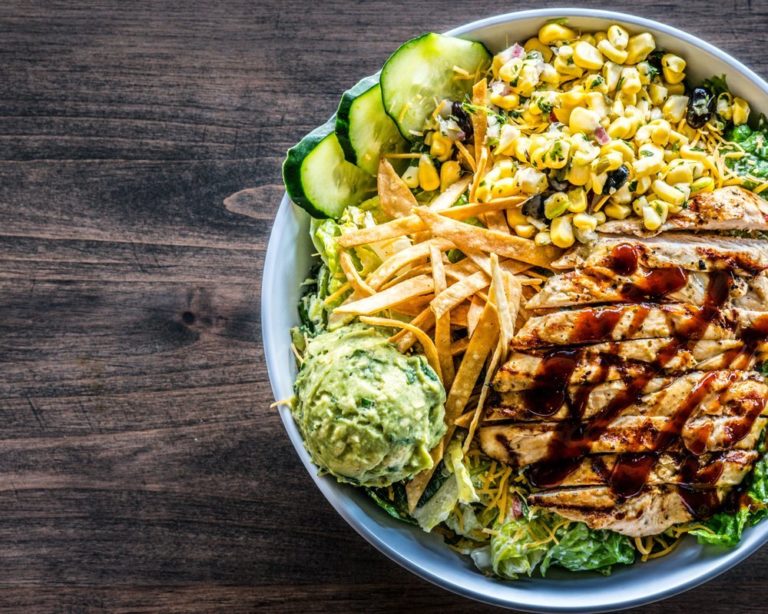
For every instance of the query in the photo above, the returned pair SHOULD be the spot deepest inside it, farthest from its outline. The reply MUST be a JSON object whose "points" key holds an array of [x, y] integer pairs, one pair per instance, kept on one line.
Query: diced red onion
{"points": [[602, 136]]}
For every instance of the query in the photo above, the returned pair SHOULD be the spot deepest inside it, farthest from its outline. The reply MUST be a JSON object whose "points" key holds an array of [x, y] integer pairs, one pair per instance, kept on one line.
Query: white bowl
{"points": [[287, 263]]}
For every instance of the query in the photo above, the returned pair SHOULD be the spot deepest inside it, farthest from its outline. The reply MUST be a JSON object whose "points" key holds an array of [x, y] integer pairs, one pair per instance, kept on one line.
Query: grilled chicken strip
{"points": [[687, 251], [523, 444], [640, 321], [673, 467], [671, 284], [661, 396], [606, 362], [651, 512], [730, 208]]}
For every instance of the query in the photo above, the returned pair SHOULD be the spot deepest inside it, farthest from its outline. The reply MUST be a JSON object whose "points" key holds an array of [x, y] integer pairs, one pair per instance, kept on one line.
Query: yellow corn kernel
{"points": [[573, 97], [441, 147], [503, 188], [658, 93], [626, 151], [611, 73], [589, 38], [483, 193], [527, 231], [668, 193], [622, 196], [584, 221], [630, 81], [702, 184], [673, 67], [411, 177], [553, 33], [740, 111], [542, 238], [511, 70], [724, 106], [507, 137], [660, 131], [600, 36], [528, 80], [508, 102], [616, 211], [597, 181], [651, 219], [515, 217], [608, 162], [690, 153], [638, 204], [618, 36], [650, 160], [549, 75], [614, 54], [563, 114], [556, 205], [506, 168], [674, 108], [676, 89], [428, 178], [600, 217], [639, 47], [596, 102], [577, 200], [561, 232], [587, 56], [558, 154], [521, 147], [450, 172], [679, 172], [620, 128], [583, 120], [531, 181], [579, 174], [643, 184], [646, 71], [534, 44], [568, 70], [697, 167], [595, 83]]}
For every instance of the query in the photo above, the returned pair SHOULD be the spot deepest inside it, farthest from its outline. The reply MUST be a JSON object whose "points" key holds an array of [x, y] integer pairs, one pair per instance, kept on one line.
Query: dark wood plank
{"points": [[142, 467]]}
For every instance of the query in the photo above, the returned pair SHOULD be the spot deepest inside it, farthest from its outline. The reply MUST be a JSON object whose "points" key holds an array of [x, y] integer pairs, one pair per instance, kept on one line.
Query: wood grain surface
{"points": [[141, 468]]}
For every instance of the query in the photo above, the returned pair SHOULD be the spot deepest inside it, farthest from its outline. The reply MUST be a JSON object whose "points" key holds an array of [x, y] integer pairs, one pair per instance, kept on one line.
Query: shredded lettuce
{"points": [[521, 545], [454, 460]]}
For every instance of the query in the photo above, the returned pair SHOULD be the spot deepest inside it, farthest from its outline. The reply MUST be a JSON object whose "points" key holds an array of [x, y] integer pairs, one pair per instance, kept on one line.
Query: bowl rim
{"points": [[271, 342]]}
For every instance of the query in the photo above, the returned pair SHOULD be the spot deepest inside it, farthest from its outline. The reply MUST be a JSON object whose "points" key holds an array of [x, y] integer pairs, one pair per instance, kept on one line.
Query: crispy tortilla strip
{"points": [[467, 155], [459, 315], [416, 286], [414, 306], [472, 364], [407, 273], [474, 312], [495, 360], [460, 346], [389, 230], [450, 196], [479, 118], [499, 297], [430, 352], [458, 293], [353, 277], [415, 488], [413, 254], [405, 339], [495, 220], [395, 196], [462, 212], [489, 241], [482, 162], [443, 323]]}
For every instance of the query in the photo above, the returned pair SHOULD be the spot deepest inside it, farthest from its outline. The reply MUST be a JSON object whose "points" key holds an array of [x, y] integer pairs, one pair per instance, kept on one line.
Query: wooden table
{"points": [[141, 466]]}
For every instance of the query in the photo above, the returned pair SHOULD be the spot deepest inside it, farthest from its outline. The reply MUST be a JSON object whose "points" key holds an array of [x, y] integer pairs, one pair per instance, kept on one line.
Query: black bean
{"points": [[616, 179], [700, 107], [534, 207], [462, 118]]}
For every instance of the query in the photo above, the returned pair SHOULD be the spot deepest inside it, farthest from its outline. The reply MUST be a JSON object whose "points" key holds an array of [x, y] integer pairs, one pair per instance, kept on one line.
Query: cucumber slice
{"points": [[363, 128], [421, 72], [318, 178]]}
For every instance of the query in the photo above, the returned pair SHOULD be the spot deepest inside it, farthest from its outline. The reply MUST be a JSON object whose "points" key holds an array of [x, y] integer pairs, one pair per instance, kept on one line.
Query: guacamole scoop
{"points": [[368, 414]]}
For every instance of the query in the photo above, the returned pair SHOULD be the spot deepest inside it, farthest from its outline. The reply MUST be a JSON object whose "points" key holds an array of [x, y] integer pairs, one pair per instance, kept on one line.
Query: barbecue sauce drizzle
{"points": [[574, 437]]}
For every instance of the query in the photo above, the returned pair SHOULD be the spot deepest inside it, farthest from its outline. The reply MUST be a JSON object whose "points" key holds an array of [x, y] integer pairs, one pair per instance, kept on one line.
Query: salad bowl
{"points": [[288, 261]]}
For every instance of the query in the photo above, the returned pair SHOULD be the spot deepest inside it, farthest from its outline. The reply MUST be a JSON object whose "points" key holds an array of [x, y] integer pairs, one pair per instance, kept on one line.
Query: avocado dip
{"points": [[368, 414]]}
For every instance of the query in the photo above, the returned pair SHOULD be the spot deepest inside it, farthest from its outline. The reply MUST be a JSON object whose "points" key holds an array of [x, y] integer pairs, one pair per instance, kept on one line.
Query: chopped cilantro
{"points": [[716, 85]]}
